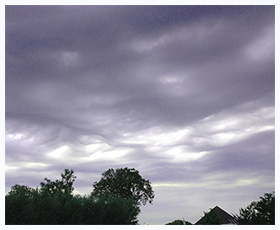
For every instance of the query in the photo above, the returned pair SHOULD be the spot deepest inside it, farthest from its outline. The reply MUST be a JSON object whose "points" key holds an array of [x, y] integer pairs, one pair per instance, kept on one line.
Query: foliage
{"points": [[124, 183], [260, 212], [65, 185], [19, 204], [179, 222], [54, 203], [116, 210]]}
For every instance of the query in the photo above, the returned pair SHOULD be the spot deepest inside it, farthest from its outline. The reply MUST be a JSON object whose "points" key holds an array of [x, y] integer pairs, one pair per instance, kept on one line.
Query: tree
{"points": [[179, 222], [117, 211], [260, 212], [19, 205], [56, 199], [54, 203], [65, 185], [124, 183]]}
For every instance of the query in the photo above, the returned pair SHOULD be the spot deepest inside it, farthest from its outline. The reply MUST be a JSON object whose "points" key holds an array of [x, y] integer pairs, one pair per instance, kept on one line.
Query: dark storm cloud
{"points": [[184, 94], [112, 69]]}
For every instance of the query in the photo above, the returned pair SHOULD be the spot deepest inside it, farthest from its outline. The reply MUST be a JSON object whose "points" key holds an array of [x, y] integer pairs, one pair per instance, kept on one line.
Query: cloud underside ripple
{"points": [[184, 94]]}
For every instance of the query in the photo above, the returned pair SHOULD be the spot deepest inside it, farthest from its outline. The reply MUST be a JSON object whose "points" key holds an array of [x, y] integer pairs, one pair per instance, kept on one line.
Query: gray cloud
{"points": [[184, 94]]}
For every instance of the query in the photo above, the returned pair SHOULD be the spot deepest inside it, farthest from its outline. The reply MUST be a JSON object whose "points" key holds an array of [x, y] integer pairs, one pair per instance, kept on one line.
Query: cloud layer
{"points": [[184, 94]]}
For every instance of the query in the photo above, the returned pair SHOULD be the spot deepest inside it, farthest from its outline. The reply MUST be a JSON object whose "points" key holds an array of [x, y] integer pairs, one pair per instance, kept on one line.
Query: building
{"points": [[219, 214]]}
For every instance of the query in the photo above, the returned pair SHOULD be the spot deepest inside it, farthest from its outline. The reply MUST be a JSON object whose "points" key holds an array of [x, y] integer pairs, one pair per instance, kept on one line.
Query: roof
{"points": [[225, 218]]}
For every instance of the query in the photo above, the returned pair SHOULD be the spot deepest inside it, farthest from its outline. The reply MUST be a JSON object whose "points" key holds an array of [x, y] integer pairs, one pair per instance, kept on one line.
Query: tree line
{"points": [[115, 199]]}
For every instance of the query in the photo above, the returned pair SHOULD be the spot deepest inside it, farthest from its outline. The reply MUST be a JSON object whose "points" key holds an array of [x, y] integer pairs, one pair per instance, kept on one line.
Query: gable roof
{"points": [[225, 218]]}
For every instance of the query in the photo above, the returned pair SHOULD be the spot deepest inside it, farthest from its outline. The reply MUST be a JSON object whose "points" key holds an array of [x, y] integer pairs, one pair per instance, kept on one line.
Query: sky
{"points": [[184, 94]]}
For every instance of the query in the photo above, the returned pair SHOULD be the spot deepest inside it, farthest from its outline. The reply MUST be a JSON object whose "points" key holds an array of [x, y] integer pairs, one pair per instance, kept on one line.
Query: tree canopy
{"points": [[125, 183], [64, 185], [179, 222], [54, 203], [260, 212]]}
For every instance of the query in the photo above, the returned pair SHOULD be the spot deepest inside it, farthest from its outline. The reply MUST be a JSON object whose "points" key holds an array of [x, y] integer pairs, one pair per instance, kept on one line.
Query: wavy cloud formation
{"points": [[184, 94]]}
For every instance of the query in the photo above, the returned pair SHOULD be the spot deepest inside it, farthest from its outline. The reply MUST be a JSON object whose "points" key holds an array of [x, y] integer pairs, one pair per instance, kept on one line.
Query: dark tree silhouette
{"points": [[64, 185], [125, 183], [179, 222], [260, 212], [54, 203]]}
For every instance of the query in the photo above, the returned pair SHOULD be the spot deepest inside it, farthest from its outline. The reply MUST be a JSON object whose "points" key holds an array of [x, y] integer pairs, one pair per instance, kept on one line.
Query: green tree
{"points": [[118, 211], [105, 211], [19, 205], [260, 212], [56, 199], [54, 203], [125, 183], [179, 222], [64, 185]]}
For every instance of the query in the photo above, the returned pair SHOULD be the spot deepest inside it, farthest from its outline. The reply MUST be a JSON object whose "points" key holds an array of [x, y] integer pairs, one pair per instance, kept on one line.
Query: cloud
{"points": [[184, 94]]}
